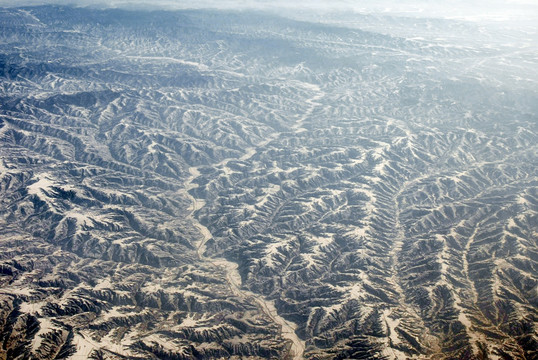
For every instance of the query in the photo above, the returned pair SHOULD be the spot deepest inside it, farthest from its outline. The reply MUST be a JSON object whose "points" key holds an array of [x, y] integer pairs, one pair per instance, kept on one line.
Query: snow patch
{"points": [[44, 183]]}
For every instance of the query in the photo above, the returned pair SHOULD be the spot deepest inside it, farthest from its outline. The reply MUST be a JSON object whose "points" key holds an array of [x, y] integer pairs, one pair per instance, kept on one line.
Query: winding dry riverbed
{"points": [[234, 279]]}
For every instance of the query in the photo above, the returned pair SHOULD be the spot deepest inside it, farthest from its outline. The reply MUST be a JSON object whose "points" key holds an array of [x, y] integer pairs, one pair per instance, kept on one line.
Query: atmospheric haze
{"points": [[494, 10]]}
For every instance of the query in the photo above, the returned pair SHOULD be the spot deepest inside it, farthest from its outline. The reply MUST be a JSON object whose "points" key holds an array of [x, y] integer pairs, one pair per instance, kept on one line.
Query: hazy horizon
{"points": [[498, 10]]}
